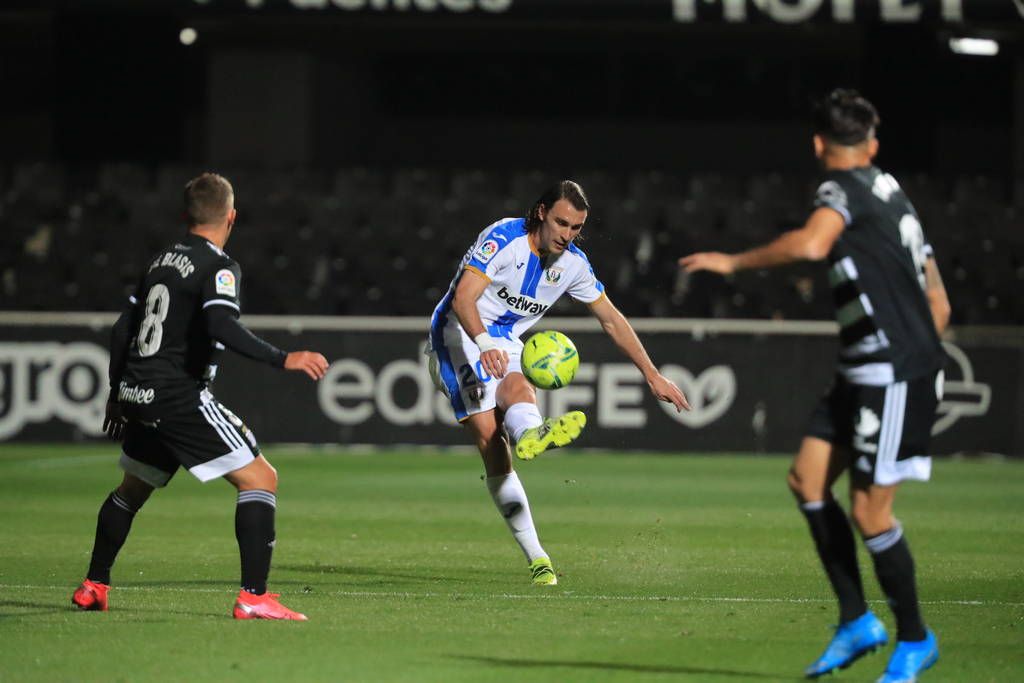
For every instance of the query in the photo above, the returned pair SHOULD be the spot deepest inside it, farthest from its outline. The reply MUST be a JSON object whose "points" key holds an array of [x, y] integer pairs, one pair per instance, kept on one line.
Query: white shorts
{"points": [[457, 373]]}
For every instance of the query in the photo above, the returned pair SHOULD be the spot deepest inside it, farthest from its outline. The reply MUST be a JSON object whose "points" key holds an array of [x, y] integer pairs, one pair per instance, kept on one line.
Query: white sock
{"points": [[510, 499], [521, 416]]}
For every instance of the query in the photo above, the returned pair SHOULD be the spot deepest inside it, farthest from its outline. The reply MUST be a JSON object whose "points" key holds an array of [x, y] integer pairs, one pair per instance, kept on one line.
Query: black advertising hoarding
{"points": [[752, 385]]}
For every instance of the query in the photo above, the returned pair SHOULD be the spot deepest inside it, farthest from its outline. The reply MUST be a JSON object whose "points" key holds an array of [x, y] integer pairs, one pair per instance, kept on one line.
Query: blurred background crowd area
{"points": [[386, 241], [370, 141]]}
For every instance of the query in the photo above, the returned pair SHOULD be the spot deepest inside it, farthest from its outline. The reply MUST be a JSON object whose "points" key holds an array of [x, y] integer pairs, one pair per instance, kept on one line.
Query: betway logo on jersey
{"points": [[522, 303]]}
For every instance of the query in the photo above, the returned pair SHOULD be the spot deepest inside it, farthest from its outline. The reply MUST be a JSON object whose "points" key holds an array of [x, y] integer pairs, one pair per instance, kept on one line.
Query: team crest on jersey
{"points": [[225, 282], [553, 275], [831, 193], [486, 251]]}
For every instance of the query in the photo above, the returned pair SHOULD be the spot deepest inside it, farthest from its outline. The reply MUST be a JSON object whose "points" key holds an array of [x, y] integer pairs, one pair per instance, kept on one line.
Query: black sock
{"points": [[895, 569], [833, 537], [112, 527], [254, 529]]}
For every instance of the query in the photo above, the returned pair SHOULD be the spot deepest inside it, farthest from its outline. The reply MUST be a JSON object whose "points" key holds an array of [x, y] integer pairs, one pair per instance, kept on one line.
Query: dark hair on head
{"points": [[566, 189], [844, 117], [208, 198]]}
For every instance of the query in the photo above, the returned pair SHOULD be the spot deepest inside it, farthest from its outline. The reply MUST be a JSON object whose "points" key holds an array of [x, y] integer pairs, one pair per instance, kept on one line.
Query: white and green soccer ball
{"points": [[550, 360]]}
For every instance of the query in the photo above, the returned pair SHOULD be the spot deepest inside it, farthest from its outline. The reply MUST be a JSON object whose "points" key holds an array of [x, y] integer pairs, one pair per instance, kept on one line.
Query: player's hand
{"points": [[114, 421], [715, 261], [666, 390], [309, 362], [495, 362]]}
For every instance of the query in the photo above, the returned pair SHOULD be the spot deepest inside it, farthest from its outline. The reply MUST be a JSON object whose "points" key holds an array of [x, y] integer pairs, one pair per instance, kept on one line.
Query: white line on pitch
{"points": [[558, 596]]}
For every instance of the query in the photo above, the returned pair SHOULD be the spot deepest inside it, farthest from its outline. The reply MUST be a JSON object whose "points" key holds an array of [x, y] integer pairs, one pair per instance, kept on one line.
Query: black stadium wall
{"points": [[752, 384]]}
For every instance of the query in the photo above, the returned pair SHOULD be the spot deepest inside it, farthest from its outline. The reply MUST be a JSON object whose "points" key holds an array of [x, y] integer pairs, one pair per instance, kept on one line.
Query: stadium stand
{"points": [[371, 241]]}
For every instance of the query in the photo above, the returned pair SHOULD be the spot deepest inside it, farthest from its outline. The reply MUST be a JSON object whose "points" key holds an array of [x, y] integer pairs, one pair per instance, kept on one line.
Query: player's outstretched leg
{"points": [[551, 433], [112, 526]]}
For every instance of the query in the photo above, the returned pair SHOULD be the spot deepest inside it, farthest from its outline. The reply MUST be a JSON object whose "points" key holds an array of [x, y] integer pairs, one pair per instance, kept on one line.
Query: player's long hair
{"points": [[844, 117], [566, 189]]}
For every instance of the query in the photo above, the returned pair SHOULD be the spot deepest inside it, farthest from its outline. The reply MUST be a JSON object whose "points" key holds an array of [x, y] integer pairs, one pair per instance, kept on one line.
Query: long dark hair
{"points": [[566, 189]]}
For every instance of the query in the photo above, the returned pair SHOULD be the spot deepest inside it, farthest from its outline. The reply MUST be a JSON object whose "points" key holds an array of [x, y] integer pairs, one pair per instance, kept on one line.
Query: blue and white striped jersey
{"points": [[522, 284]]}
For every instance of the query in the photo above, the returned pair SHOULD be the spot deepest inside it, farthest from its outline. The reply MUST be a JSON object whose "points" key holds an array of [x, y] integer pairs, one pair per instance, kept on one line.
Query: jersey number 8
{"points": [[151, 332]]}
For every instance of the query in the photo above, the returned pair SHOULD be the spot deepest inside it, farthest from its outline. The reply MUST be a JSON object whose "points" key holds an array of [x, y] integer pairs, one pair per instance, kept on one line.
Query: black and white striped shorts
{"points": [[209, 442], [887, 428]]}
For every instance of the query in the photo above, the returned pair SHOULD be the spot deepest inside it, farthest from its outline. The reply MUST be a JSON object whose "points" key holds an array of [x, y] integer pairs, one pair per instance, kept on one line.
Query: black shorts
{"points": [[209, 442], [887, 428]]}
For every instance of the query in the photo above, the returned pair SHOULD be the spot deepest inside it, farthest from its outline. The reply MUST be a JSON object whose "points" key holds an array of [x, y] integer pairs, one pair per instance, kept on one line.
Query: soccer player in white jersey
{"points": [[511, 275]]}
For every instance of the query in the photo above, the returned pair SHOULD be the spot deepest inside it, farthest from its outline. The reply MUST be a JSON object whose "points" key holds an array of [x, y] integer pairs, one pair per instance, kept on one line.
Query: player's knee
{"points": [[870, 520], [514, 388], [269, 477], [134, 491], [796, 485]]}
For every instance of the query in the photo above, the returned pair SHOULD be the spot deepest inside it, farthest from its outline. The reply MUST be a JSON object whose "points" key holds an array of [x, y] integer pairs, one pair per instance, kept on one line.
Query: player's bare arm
{"points": [[938, 300], [812, 242], [624, 336], [470, 288]]}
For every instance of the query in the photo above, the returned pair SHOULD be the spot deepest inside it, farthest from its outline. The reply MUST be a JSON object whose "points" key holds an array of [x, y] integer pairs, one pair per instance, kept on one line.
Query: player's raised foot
{"points": [[266, 606], [852, 640], [554, 433], [911, 658], [543, 572], [91, 595]]}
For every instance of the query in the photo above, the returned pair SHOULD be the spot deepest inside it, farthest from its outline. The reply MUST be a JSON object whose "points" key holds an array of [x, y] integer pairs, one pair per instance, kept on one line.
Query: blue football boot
{"points": [[911, 658], [852, 640]]}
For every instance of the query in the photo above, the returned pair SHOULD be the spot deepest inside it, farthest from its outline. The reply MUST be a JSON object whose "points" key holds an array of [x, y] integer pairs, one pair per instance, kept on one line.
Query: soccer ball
{"points": [[550, 360]]}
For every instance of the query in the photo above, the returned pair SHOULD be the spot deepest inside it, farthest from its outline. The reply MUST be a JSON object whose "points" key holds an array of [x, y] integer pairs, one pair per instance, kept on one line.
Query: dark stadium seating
{"points": [[376, 241]]}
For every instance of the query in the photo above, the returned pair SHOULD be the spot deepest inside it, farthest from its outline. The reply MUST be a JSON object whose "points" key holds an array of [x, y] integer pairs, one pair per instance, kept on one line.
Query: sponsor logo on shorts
{"points": [[130, 394], [486, 251], [522, 303], [867, 426]]}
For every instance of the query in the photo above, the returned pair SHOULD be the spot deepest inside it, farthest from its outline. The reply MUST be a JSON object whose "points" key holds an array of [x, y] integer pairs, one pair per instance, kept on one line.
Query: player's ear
{"points": [[819, 146], [873, 147]]}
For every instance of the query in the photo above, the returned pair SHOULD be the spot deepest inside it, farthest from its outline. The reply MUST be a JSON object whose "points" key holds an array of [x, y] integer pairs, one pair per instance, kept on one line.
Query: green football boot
{"points": [[543, 572], [554, 433]]}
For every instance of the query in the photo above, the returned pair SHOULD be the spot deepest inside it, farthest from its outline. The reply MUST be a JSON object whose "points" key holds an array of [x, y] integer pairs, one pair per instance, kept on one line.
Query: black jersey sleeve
{"points": [[121, 337], [832, 195], [222, 286], [223, 325]]}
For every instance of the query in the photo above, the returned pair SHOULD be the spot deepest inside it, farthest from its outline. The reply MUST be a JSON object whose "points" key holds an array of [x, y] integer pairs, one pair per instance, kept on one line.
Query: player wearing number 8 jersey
{"points": [[876, 418], [511, 275], [163, 357]]}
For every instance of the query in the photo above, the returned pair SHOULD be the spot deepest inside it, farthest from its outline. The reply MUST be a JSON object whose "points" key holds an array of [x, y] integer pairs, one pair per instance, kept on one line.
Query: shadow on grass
{"points": [[372, 572], [229, 585], [21, 605], [616, 666]]}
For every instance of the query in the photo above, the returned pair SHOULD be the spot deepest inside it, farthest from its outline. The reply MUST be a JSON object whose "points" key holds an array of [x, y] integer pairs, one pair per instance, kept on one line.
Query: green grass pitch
{"points": [[695, 568]]}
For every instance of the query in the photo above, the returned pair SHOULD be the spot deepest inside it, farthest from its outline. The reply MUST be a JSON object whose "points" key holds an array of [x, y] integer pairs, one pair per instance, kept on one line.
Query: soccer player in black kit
{"points": [[876, 418], [163, 356]]}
